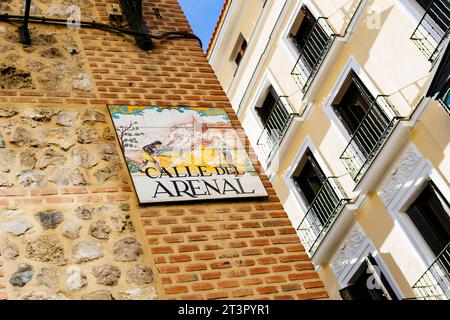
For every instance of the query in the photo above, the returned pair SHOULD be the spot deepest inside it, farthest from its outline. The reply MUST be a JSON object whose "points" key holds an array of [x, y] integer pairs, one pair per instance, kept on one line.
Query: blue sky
{"points": [[202, 15]]}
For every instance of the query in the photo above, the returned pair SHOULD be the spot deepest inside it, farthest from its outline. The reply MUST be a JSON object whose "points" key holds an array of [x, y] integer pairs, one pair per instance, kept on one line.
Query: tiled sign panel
{"points": [[184, 154]]}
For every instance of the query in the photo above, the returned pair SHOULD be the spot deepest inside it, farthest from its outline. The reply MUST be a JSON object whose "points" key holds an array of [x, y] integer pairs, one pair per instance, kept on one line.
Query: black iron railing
{"points": [[435, 282], [321, 214], [312, 54], [433, 29], [370, 136], [275, 128]]}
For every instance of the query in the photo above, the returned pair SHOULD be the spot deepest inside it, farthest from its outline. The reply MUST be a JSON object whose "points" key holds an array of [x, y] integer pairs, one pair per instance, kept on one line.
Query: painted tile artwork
{"points": [[184, 154]]}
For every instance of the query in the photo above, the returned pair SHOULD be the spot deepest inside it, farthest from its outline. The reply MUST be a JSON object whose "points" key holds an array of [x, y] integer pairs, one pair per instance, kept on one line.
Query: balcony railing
{"points": [[433, 28], [323, 211], [275, 128], [435, 282], [370, 136], [316, 47]]}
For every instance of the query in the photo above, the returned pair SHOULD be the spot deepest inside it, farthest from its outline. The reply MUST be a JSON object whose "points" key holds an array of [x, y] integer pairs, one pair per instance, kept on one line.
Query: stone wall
{"points": [[54, 61], [66, 247], [67, 207]]}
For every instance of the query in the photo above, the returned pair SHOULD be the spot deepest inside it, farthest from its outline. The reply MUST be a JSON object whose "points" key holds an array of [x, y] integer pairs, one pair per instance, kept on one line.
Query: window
{"points": [[239, 51], [310, 178], [430, 214], [311, 40], [268, 106], [301, 34], [355, 104], [352, 102], [368, 283]]}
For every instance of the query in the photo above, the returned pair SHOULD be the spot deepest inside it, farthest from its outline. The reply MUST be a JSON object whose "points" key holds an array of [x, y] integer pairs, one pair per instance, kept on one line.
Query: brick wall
{"points": [[245, 249]]}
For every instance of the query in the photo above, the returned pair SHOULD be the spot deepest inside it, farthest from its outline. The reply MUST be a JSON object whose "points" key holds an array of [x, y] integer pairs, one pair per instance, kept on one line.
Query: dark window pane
{"points": [[310, 179], [363, 118], [305, 29], [359, 289], [267, 107], [430, 214], [354, 103], [241, 52]]}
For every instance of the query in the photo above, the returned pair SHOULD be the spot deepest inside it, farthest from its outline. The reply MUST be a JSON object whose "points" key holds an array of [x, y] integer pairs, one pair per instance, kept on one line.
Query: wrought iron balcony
{"points": [[312, 54], [370, 136], [433, 28], [276, 127], [435, 282], [322, 213]]}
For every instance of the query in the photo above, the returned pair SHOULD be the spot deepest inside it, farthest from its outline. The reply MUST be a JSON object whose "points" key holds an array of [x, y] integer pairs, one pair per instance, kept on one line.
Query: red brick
{"points": [[259, 270], [240, 293], [155, 231], [273, 250], [302, 276], [281, 268], [313, 284], [180, 258], [267, 290], [312, 295], [220, 265], [252, 281], [177, 289], [191, 297], [196, 267], [188, 248], [291, 287], [197, 237], [202, 286], [180, 229], [267, 260], [236, 273], [276, 279], [205, 256], [173, 239], [211, 275], [304, 266], [217, 295], [161, 250], [228, 284], [237, 244], [259, 242], [294, 257], [251, 252], [168, 269], [186, 278]]}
